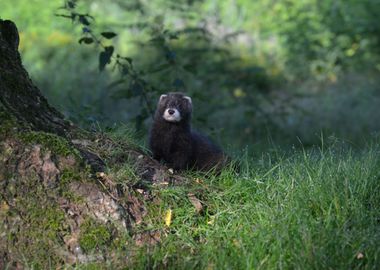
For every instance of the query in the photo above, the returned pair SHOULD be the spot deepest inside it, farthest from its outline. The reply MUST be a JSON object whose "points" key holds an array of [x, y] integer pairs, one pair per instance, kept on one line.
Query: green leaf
{"points": [[83, 20], [109, 50], [129, 60], [86, 40], [105, 57], [71, 4], [108, 35]]}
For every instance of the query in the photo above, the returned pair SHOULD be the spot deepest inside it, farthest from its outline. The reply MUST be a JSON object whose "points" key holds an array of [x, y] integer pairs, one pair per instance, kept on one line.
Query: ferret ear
{"points": [[188, 98], [162, 97]]}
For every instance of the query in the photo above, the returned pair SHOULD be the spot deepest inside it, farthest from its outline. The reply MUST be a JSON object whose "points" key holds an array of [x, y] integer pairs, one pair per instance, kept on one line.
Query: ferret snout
{"points": [[172, 115], [171, 111]]}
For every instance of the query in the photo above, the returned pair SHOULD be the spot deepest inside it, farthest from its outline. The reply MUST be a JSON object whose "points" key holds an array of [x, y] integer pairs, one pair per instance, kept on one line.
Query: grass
{"points": [[312, 209], [317, 208]]}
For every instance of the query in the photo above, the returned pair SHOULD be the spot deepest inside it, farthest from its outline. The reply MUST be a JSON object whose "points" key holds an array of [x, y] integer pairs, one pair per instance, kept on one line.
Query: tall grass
{"points": [[312, 209]]}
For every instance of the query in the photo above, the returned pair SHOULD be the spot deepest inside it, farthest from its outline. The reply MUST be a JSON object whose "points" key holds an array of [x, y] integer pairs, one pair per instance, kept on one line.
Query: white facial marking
{"points": [[172, 115], [162, 96], [188, 98]]}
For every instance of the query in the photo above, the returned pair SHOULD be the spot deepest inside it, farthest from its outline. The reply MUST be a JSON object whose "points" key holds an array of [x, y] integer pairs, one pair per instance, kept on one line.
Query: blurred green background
{"points": [[258, 71]]}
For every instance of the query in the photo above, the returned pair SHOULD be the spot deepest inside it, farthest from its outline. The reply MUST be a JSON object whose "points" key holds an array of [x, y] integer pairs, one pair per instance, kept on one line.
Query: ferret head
{"points": [[174, 107]]}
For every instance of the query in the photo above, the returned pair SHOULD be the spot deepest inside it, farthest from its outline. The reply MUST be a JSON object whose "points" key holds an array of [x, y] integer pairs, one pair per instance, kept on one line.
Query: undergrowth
{"points": [[311, 209]]}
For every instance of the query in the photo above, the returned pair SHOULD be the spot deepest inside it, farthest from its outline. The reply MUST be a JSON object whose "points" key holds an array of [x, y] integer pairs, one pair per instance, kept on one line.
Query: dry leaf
{"points": [[195, 202], [210, 266], [360, 256], [168, 217], [161, 184], [211, 221], [236, 243], [101, 174], [4, 207]]}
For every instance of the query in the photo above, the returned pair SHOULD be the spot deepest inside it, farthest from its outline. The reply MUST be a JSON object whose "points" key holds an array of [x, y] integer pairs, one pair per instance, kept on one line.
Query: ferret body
{"points": [[173, 141]]}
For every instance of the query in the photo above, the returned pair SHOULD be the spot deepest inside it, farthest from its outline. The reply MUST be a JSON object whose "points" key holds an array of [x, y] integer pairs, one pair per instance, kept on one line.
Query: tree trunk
{"points": [[18, 94], [48, 184], [24, 100]]}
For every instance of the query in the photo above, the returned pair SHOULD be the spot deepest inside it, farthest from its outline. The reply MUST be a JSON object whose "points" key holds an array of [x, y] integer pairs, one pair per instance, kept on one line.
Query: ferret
{"points": [[173, 141]]}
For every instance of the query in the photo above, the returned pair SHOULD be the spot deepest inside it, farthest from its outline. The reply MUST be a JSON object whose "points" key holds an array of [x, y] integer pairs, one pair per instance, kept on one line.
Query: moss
{"points": [[120, 243], [68, 176], [41, 211], [94, 235], [49, 220], [56, 144], [34, 238], [10, 127], [7, 123]]}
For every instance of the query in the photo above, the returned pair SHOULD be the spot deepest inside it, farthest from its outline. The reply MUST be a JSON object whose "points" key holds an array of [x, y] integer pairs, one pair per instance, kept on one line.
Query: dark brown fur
{"points": [[177, 144]]}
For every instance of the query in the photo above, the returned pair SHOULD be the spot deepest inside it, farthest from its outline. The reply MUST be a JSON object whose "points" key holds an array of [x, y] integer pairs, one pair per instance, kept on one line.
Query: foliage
{"points": [[326, 36], [246, 61], [174, 54]]}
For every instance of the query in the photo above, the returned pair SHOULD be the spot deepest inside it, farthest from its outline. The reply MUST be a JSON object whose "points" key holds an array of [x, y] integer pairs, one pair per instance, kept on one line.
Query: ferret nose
{"points": [[171, 111]]}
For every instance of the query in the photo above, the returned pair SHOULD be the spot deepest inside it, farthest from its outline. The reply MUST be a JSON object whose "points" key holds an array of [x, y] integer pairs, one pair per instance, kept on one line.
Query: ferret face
{"points": [[174, 107]]}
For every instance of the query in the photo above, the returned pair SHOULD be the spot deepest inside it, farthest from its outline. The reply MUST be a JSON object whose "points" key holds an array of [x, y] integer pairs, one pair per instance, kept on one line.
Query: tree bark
{"points": [[24, 100], [18, 94]]}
